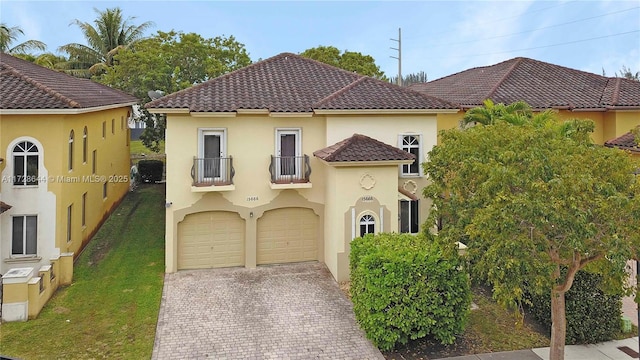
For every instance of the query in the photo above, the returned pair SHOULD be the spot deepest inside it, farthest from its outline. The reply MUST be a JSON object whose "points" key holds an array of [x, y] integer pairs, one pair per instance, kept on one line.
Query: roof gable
{"points": [[542, 85], [358, 148], [292, 83], [24, 85]]}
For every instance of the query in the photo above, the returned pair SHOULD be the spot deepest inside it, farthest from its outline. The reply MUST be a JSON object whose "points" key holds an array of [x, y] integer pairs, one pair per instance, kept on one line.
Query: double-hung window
{"points": [[25, 163], [24, 236], [411, 143]]}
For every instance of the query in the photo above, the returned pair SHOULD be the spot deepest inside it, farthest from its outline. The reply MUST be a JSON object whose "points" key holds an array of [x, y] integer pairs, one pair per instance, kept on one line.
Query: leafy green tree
{"points": [[536, 203], [169, 62], [112, 32], [627, 73], [409, 79], [8, 35], [516, 113], [347, 60]]}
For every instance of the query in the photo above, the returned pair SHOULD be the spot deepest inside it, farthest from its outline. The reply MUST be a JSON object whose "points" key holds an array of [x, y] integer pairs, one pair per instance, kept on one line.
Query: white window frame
{"points": [[222, 132], [24, 237], [369, 221], [417, 215], [419, 158], [25, 154], [278, 151]]}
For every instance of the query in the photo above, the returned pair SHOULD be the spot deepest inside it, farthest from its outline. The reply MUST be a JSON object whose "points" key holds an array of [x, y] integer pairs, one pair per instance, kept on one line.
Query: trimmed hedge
{"points": [[402, 288], [592, 315], [150, 170]]}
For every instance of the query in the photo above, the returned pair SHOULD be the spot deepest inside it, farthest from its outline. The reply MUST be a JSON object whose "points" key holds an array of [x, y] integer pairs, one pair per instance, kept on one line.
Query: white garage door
{"points": [[287, 235], [211, 239]]}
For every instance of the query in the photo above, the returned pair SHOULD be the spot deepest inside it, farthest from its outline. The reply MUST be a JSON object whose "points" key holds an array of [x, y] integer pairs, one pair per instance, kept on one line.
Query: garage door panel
{"points": [[211, 239], [287, 235]]}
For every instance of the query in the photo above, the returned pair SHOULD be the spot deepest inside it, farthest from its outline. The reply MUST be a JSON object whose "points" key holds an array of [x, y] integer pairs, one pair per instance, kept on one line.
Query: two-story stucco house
{"points": [[64, 165], [288, 160], [612, 103]]}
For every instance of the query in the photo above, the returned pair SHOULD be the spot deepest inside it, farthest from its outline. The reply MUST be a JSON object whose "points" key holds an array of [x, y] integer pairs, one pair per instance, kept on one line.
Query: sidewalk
{"points": [[609, 350]]}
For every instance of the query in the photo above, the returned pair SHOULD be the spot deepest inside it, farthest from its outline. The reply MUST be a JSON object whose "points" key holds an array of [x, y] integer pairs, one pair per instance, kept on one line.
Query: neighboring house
{"points": [[626, 142], [65, 165], [288, 160], [612, 103]]}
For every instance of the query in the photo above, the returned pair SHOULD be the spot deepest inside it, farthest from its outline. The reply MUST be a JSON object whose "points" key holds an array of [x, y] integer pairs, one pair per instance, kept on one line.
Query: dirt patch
{"points": [[61, 310]]}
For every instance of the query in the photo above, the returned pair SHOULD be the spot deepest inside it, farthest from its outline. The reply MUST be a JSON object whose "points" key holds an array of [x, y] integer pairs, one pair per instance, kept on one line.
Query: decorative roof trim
{"points": [[74, 111], [366, 163], [385, 111]]}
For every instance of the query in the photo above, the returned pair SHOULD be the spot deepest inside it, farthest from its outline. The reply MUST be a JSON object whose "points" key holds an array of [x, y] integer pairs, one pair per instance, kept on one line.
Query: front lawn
{"points": [[111, 308]]}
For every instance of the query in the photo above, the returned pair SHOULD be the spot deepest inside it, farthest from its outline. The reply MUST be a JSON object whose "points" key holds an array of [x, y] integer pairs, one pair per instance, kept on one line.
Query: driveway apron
{"points": [[294, 311]]}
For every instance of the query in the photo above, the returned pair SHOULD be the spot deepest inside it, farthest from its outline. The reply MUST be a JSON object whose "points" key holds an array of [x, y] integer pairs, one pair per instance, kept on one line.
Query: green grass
{"points": [[111, 308], [137, 148]]}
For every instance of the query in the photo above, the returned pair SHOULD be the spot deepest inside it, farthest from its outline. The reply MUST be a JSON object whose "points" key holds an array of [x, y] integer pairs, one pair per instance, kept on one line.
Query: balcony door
{"points": [[212, 145], [288, 153]]}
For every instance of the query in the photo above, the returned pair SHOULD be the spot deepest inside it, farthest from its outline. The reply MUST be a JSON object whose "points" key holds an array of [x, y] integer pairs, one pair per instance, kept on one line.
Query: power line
{"points": [[532, 30], [538, 47], [510, 17]]}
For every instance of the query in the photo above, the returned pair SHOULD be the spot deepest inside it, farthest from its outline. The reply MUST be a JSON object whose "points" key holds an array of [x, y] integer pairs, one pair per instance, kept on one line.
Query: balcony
{"points": [[290, 172], [212, 174]]}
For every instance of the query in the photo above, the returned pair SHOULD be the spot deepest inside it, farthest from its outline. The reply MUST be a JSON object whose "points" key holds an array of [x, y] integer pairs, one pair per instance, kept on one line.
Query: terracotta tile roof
{"points": [[24, 85], [291, 83], [4, 207], [625, 142], [540, 84], [362, 148]]}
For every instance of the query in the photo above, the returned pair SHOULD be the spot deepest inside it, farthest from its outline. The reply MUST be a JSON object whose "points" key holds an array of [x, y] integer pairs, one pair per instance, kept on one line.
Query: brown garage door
{"points": [[211, 239], [287, 235]]}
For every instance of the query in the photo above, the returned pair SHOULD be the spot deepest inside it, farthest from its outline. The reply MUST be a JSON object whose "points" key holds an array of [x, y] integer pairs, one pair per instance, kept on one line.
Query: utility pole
{"points": [[399, 57]]}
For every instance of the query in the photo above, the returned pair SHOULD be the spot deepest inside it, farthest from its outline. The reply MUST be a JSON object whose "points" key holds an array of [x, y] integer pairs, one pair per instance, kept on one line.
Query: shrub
{"points": [[402, 288], [592, 315], [150, 170]]}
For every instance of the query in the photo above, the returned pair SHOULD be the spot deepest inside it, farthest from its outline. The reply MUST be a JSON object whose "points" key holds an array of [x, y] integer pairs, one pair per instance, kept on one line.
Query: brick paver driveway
{"points": [[273, 312]]}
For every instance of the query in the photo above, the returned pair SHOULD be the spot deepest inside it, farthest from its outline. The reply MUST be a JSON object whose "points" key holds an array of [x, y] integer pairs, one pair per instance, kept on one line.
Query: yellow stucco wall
{"points": [[64, 187]]}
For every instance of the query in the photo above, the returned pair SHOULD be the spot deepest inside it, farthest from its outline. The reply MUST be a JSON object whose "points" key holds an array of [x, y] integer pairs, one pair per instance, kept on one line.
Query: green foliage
{"points": [[414, 78], [592, 315], [8, 35], [150, 170], [403, 287], [111, 33], [531, 198], [348, 60]]}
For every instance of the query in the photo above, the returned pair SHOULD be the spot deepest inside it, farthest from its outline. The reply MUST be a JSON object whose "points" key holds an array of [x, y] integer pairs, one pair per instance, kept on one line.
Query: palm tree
{"points": [[10, 34], [516, 113], [111, 33]]}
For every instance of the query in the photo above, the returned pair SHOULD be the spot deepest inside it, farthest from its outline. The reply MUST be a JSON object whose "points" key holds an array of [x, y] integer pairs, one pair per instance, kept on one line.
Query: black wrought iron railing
{"points": [[289, 169], [212, 171]]}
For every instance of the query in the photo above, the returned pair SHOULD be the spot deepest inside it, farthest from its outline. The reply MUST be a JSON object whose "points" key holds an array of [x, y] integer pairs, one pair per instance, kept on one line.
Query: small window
{"points": [[411, 144], [24, 239], [367, 225], [113, 126], [84, 209], [71, 136], [104, 190], [104, 129], [409, 216], [94, 162], [69, 218], [84, 145], [25, 164]]}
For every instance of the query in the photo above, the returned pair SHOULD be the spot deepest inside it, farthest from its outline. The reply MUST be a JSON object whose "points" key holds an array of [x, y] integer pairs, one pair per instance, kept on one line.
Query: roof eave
{"points": [[64, 111], [384, 111], [168, 110], [366, 163]]}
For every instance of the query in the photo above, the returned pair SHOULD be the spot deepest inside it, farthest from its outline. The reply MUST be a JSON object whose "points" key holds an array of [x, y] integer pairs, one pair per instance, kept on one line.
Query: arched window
{"points": [[367, 225], [25, 163], [411, 144], [84, 145], [71, 135]]}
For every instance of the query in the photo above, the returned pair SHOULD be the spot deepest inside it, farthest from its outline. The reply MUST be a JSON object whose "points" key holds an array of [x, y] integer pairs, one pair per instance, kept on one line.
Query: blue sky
{"points": [[438, 37]]}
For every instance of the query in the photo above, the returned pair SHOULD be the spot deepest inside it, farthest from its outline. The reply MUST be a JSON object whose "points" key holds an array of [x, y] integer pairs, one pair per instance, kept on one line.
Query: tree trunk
{"points": [[558, 325]]}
